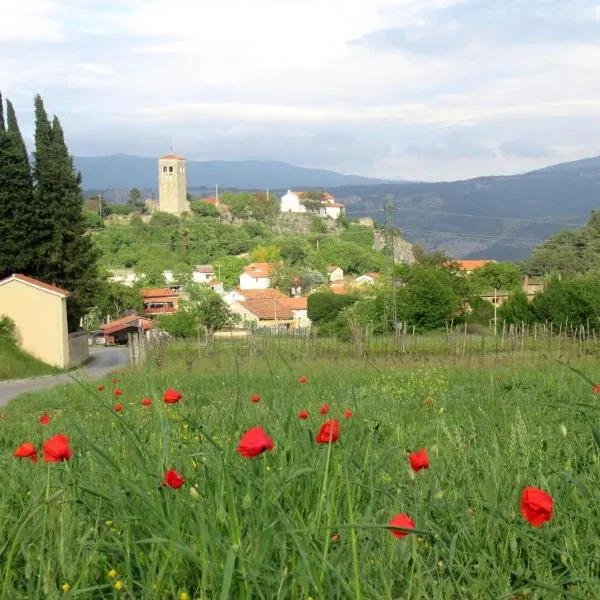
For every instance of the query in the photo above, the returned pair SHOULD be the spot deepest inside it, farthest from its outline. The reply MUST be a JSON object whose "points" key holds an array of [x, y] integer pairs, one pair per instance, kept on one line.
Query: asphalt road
{"points": [[103, 360]]}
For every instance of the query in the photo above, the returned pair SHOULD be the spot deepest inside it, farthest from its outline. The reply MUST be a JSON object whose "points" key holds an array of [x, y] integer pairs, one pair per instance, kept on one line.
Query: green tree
{"points": [[115, 298], [428, 300], [294, 249], [19, 229], [499, 276], [324, 307], [135, 199], [202, 209], [228, 270], [516, 309], [68, 258]]}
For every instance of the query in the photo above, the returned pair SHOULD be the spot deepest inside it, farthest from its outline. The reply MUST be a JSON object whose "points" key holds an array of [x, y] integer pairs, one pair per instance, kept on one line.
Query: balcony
{"points": [[160, 309]]}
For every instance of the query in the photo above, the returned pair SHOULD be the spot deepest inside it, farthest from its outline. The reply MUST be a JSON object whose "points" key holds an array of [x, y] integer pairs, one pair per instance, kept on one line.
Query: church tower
{"points": [[172, 184]]}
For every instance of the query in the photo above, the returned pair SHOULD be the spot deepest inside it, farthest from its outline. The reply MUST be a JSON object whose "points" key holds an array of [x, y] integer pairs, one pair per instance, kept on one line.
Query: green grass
{"points": [[16, 364], [263, 528]]}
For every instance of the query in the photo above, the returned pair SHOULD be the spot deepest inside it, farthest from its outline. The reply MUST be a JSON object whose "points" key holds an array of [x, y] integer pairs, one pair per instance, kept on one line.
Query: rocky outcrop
{"points": [[403, 250]]}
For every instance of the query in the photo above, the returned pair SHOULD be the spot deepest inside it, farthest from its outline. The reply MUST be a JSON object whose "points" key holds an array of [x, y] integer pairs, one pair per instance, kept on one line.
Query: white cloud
{"points": [[291, 70]]}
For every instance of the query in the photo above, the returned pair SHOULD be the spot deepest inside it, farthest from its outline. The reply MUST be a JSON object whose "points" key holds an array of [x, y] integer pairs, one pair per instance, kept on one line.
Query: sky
{"points": [[414, 89]]}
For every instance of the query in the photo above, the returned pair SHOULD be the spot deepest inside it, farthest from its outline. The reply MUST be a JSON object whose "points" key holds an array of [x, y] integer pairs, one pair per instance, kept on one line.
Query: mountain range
{"points": [[500, 217]]}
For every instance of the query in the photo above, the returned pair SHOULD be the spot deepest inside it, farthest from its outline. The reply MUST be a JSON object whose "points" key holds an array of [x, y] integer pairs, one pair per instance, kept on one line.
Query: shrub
{"points": [[7, 328], [324, 306]]}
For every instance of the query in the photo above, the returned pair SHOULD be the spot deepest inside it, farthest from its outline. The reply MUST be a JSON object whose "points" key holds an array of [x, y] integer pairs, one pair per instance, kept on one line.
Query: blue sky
{"points": [[418, 89]]}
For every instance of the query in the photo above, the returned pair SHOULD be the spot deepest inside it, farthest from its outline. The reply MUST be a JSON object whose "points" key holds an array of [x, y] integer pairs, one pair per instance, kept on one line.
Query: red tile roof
{"points": [[297, 303], [259, 269], [469, 265], [159, 293], [269, 309], [36, 283], [373, 274], [204, 269], [126, 322], [265, 293], [334, 204], [338, 288], [212, 201], [172, 157]]}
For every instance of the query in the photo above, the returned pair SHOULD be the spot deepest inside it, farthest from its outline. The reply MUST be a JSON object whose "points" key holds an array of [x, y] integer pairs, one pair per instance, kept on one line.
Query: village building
{"points": [[123, 276], [117, 332], [335, 273], [468, 266], [203, 273], [366, 279], [256, 276], [298, 202], [39, 311], [281, 313], [238, 295], [172, 184], [160, 301]]}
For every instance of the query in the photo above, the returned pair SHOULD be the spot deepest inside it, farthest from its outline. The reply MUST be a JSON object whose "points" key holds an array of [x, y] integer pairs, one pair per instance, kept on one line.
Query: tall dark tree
{"points": [[18, 229], [68, 257]]}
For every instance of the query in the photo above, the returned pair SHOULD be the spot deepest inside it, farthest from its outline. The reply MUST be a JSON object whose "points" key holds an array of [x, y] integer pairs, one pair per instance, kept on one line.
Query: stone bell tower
{"points": [[172, 184]]}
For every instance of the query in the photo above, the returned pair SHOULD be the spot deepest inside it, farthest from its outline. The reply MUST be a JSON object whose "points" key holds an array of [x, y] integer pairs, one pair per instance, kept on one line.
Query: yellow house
{"points": [[39, 311]]}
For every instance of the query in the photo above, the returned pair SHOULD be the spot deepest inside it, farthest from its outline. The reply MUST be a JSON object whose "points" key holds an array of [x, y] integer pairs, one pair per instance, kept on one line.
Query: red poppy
{"points": [[44, 419], [254, 442], [171, 396], [596, 388], [303, 414], [100, 388], [324, 409], [117, 392], [57, 448], [536, 506], [173, 479], [118, 407], [335, 538], [255, 398], [401, 520], [27, 450], [303, 379], [419, 460], [329, 432], [146, 402], [347, 413], [114, 380]]}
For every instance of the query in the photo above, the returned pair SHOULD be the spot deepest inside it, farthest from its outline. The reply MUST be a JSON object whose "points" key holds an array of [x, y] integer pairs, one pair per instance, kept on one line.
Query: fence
{"points": [[524, 344]]}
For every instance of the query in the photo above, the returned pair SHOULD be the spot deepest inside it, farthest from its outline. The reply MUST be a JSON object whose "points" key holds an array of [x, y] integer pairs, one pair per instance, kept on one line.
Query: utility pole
{"points": [[99, 205], [389, 264]]}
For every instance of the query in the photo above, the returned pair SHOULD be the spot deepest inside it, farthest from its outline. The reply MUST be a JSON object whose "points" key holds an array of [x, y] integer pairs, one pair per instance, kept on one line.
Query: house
{"points": [[336, 274], [216, 286], [499, 297], [468, 266], [299, 308], [124, 276], [212, 201], [160, 301], [39, 311], [294, 202], [367, 278], [203, 273], [256, 276], [238, 295], [117, 332]]}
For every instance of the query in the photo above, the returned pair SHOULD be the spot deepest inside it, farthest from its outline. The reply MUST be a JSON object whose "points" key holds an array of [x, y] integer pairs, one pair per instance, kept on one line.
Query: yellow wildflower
{"points": [[112, 574], [183, 596], [65, 587], [118, 585]]}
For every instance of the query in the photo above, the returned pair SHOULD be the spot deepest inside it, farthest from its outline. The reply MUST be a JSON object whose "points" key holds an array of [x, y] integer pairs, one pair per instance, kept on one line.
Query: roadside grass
{"points": [[305, 520], [16, 364]]}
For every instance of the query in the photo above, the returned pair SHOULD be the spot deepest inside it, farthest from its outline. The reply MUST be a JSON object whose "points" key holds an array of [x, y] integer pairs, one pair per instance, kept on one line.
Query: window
{"points": [[170, 169], [164, 169]]}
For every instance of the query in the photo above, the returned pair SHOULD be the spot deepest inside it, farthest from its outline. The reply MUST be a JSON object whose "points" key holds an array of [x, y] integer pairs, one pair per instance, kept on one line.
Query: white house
{"points": [[203, 273], [169, 276], [256, 276], [292, 202], [216, 286], [367, 278], [125, 276], [336, 274]]}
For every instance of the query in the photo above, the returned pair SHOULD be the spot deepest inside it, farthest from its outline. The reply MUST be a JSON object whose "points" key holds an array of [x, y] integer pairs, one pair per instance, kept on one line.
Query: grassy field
{"points": [[305, 520], [16, 364]]}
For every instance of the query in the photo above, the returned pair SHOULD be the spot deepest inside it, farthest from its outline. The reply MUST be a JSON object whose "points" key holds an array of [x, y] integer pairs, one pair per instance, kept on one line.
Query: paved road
{"points": [[103, 360]]}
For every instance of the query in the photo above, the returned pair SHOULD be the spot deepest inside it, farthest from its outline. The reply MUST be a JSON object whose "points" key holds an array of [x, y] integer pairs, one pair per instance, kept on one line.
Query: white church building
{"points": [[294, 202]]}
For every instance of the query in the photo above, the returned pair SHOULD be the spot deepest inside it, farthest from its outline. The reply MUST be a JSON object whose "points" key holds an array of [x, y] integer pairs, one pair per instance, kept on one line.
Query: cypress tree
{"points": [[18, 231], [70, 259], [2, 128]]}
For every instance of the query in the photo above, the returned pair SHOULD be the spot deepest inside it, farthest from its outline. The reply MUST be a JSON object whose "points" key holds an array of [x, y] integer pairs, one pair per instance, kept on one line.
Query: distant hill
{"points": [[485, 217], [122, 171]]}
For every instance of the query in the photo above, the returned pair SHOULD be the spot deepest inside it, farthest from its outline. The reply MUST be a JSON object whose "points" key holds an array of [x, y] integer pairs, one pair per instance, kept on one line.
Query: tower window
{"points": [[164, 169], [170, 169]]}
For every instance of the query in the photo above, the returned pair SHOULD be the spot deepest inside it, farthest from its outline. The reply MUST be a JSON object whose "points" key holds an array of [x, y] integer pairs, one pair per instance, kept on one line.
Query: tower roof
{"points": [[172, 157]]}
